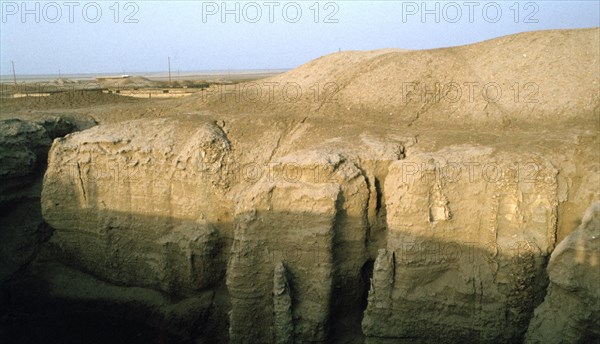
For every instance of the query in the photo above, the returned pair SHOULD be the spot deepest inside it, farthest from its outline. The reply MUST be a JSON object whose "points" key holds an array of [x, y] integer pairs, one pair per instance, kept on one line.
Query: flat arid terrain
{"points": [[388, 196]]}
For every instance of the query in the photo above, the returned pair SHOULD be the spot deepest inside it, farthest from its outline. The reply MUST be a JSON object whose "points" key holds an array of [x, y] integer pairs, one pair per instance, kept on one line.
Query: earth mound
{"points": [[533, 77]]}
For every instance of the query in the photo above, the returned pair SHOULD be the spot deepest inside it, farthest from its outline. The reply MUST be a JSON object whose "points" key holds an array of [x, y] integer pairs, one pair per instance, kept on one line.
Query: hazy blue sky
{"points": [[129, 36]]}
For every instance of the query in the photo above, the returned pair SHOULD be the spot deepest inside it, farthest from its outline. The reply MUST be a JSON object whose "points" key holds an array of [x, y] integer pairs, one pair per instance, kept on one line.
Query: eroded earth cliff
{"points": [[376, 213]]}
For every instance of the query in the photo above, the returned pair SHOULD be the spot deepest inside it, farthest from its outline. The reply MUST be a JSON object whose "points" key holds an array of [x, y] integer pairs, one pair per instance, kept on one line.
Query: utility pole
{"points": [[169, 59], [14, 74]]}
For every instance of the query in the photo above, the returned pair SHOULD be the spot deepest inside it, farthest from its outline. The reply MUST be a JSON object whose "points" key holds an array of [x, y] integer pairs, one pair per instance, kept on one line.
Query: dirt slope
{"points": [[544, 76]]}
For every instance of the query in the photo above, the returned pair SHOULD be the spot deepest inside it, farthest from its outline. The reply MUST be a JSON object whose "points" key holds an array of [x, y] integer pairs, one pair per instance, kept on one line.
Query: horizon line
{"points": [[9, 77]]}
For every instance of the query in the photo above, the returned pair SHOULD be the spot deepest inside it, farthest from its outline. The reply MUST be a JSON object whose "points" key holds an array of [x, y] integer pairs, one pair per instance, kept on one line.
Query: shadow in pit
{"points": [[78, 291], [124, 285]]}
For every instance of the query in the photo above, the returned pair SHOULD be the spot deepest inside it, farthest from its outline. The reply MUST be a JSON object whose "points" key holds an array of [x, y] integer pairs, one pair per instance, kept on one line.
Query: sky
{"points": [[73, 37]]}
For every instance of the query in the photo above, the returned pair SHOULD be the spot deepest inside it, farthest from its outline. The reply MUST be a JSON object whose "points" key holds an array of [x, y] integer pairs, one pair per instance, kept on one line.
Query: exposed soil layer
{"points": [[365, 197]]}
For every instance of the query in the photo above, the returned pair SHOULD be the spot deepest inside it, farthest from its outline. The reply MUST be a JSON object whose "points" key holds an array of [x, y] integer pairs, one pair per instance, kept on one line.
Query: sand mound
{"points": [[134, 81], [62, 82], [536, 76]]}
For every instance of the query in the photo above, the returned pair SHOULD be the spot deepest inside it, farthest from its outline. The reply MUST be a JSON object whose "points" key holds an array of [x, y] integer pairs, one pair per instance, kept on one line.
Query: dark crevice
{"points": [[379, 196], [366, 273], [378, 227]]}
